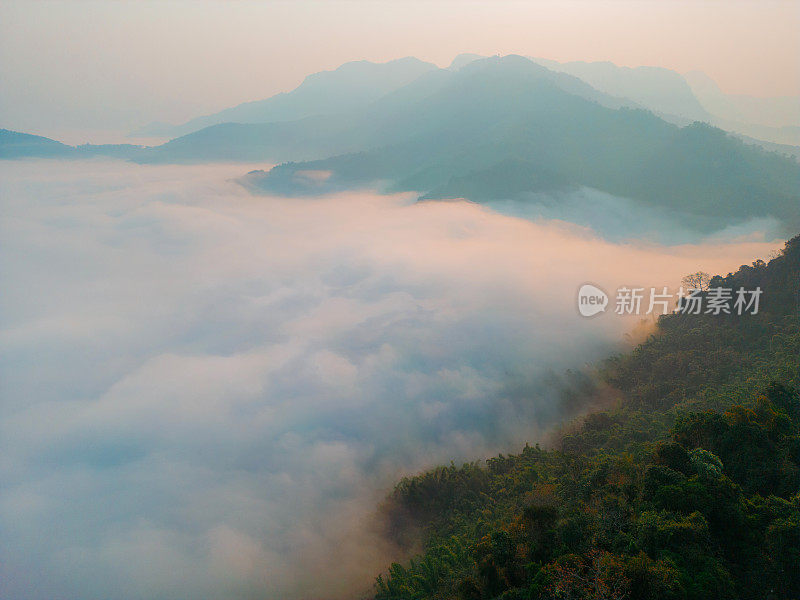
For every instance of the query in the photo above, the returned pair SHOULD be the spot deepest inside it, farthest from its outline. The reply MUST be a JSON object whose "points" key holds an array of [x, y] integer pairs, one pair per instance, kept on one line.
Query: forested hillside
{"points": [[686, 489]]}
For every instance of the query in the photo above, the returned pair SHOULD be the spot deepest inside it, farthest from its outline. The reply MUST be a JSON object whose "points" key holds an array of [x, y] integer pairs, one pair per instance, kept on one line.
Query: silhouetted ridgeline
{"points": [[23, 145], [16, 145], [492, 129], [352, 85], [687, 489], [508, 127]]}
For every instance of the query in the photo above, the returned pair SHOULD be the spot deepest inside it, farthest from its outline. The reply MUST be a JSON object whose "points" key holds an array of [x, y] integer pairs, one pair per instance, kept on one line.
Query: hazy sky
{"points": [[115, 65]]}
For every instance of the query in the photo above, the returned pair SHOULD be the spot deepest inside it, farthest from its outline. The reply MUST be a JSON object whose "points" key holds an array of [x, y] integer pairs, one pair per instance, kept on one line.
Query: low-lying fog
{"points": [[621, 219], [205, 393]]}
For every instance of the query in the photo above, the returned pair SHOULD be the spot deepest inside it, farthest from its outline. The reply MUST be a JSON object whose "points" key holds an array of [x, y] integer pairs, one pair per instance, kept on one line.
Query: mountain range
{"points": [[486, 129], [352, 85], [680, 99], [507, 127], [15, 145]]}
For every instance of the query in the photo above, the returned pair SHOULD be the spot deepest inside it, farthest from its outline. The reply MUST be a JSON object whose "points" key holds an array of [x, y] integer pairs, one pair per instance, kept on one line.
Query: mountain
{"points": [[772, 112], [776, 119], [507, 126], [14, 144], [346, 88], [462, 60], [396, 117], [494, 129], [663, 91], [682, 99], [687, 487]]}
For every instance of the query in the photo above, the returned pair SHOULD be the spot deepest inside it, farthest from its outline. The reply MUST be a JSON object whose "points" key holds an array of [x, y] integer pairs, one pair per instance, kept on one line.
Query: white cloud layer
{"points": [[205, 393]]}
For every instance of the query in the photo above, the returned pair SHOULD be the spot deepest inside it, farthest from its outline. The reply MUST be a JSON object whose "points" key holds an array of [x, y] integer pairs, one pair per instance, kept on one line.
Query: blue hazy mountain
{"points": [[683, 99], [348, 87], [776, 119], [507, 127], [345, 90], [17, 145], [397, 116], [661, 90], [14, 144], [492, 129], [462, 60]]}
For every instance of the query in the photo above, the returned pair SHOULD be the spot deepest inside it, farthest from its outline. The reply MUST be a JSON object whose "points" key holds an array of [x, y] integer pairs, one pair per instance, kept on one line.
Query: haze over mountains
{"points": [[676, 97], [489, 129], [661, 90], [691, 97], [504, 127], [773, 119], [14, 144], [352, 85], [396, 116]]}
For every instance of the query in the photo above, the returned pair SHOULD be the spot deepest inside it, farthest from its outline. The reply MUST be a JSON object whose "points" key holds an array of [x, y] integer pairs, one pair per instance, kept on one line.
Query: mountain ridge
{"points": [[349, 86], [686, 487], [497, 109]]}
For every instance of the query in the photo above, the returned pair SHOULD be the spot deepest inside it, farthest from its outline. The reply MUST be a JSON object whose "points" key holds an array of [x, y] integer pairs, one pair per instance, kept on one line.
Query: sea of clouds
{"points": [[206, 393]]}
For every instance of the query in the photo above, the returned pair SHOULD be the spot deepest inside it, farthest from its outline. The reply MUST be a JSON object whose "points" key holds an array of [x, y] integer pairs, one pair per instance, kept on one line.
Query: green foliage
{"points": [[688, 489]]}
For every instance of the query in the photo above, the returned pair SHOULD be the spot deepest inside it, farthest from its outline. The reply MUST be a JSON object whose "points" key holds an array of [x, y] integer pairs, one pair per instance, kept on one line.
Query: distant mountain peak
{"points": [[350, 86], [464, 59], [661, 90]]}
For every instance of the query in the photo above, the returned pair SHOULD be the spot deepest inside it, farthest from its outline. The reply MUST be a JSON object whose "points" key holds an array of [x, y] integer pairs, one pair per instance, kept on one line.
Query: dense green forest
{"points": [[686, 488]]}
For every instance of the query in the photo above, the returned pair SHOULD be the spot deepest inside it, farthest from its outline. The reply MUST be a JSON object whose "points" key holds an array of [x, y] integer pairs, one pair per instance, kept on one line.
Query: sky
{"points": [[103, 67]]}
